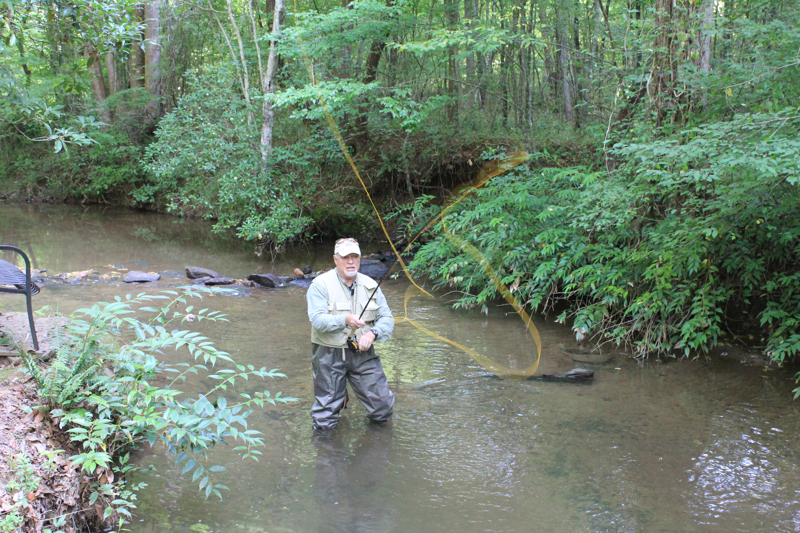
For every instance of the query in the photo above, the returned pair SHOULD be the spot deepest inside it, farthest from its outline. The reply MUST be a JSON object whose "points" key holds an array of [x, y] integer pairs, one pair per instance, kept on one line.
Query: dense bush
{"points": [[691, 238], [104, 167], [112, 390], [205, 162]]}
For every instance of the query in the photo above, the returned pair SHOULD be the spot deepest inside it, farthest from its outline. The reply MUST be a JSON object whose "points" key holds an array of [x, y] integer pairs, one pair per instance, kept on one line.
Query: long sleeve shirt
{"points": [[325, 322]]}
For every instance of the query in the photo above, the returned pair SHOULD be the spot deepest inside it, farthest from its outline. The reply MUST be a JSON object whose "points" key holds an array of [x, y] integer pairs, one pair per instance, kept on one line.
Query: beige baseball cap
{"points": [[345, 247]]}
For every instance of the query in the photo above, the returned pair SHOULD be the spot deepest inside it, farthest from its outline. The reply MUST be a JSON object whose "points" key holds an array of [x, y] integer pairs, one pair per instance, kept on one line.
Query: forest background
{"points": [[659, 208]]}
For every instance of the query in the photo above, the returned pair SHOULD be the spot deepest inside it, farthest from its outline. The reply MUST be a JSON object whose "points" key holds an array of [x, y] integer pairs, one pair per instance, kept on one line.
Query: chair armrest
{"points": [[24, 258]]}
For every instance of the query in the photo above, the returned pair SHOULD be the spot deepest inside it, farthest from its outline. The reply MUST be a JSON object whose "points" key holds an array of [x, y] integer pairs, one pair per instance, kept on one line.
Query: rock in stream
{"points": [[268, 280], [197, 273], [135, 276]]}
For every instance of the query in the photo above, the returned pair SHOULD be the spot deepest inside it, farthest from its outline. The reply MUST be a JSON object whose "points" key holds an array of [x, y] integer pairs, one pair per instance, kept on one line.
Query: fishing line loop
{"points": [[491, 169]]}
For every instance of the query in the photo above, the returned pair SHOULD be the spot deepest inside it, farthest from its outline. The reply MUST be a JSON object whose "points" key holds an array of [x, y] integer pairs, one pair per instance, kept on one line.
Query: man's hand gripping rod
{"points": [[352, 345]]}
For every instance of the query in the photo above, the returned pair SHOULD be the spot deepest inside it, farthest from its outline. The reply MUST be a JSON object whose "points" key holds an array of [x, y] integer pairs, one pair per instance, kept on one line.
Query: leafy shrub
{"points": [[690, 237], [101, 387], [206, 162]]}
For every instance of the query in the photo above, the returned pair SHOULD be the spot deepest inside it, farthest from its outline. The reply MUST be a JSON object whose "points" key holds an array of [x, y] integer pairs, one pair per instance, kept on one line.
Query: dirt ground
{"points": [[38, 483], [37, 480], [14, 328]]}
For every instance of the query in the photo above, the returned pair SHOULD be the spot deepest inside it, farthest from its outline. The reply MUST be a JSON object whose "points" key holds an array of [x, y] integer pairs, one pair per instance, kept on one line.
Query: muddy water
{"points": [[706, 445]]}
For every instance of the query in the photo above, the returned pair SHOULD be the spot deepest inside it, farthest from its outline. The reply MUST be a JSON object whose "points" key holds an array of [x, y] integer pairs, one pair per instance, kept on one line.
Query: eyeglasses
{"points": [[347, 239]]}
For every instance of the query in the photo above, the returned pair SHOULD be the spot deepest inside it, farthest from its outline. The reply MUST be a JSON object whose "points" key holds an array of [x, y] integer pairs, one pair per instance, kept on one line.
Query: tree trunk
{"points": [[562, 19], [152, 58], [370, 75], [454, 73], [246, 76], [664, 71], [268, 114], [114, 83], [706, 26], [137, 54], [99, 90], [470, 14]]}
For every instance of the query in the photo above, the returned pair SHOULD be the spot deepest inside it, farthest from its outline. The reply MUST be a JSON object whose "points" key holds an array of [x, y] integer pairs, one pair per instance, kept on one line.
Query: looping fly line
{"points": [[489, 171]]}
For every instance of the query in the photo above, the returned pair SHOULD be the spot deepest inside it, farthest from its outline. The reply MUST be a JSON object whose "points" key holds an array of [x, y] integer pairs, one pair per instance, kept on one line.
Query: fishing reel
{"points": [[352, 345]]}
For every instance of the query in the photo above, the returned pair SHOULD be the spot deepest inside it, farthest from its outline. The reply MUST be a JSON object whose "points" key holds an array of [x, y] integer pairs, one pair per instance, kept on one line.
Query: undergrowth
{"points": [[691, 238]]}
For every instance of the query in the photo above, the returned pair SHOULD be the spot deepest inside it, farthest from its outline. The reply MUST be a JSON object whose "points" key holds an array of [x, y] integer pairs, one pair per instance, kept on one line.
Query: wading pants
{"points": [[364, 372]]}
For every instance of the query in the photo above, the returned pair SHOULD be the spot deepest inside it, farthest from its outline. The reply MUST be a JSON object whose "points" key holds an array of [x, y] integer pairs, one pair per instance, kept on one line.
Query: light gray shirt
{"points": [[324, 322]]}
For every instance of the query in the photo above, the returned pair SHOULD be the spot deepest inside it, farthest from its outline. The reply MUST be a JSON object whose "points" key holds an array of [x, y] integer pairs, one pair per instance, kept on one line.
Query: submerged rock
{"points": [[197, 273], [220, 281], [267, 280], [135, 276], [586, 356], [576, 374]]}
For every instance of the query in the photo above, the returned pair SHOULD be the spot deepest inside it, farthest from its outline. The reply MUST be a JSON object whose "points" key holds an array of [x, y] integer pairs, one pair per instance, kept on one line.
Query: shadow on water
{"points": [[707, 446]]}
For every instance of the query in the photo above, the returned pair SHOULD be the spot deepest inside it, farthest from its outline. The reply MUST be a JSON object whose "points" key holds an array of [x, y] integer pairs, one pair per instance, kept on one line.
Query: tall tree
{"points": [[268, 83], [152, 58], [563, 22], [136, 60]]}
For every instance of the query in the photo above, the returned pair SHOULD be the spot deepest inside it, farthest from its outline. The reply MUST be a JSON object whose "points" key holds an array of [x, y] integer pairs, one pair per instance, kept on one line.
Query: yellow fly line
{"points": [[489, 171]]}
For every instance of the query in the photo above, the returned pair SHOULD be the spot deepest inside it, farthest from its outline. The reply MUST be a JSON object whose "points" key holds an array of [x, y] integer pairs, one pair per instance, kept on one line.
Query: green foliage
{"points": [[204, 162], [39, 111], [103, 170], [690, 236], [410, 219], [101, 388], [23, 480]]}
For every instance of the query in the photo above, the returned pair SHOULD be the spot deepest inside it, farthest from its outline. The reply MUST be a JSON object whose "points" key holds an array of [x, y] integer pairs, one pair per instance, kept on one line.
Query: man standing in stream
{"points": [[335, 303]]}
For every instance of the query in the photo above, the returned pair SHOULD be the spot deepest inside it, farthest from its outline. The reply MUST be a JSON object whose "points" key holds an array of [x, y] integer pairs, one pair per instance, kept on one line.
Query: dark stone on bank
{"points": [[197, 273], [267, 280], [220, 281], [307, 269], [134, 276], [576, 374], [373, 268]]}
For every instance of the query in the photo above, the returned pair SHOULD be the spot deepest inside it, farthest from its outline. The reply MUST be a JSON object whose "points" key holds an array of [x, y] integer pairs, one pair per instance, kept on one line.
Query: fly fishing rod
{"points": [[351, 342]]}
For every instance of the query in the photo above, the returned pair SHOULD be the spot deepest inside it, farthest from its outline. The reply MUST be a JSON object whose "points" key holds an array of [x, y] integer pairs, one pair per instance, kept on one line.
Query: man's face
{"points": [[347, 266]]}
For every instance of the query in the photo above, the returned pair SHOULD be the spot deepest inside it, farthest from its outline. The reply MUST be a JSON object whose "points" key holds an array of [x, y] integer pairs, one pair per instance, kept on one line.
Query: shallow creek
{"points": [[708, 445]]}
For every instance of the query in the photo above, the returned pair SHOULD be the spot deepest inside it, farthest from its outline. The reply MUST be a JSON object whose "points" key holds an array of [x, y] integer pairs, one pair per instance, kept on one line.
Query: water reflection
{"points": [[350, 480]]}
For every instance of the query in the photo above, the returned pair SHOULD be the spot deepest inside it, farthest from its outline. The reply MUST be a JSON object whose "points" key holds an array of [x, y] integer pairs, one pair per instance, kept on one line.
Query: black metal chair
{"points": [[11, 275]]}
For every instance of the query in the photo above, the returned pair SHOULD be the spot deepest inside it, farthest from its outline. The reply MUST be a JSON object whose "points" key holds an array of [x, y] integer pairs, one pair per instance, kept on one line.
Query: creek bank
{"points": [[15, 331], [39, 486], [38, 483]]}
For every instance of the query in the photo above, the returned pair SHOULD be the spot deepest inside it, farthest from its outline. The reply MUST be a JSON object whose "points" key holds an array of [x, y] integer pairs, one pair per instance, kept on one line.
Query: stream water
{"points": [[708, 445]]}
